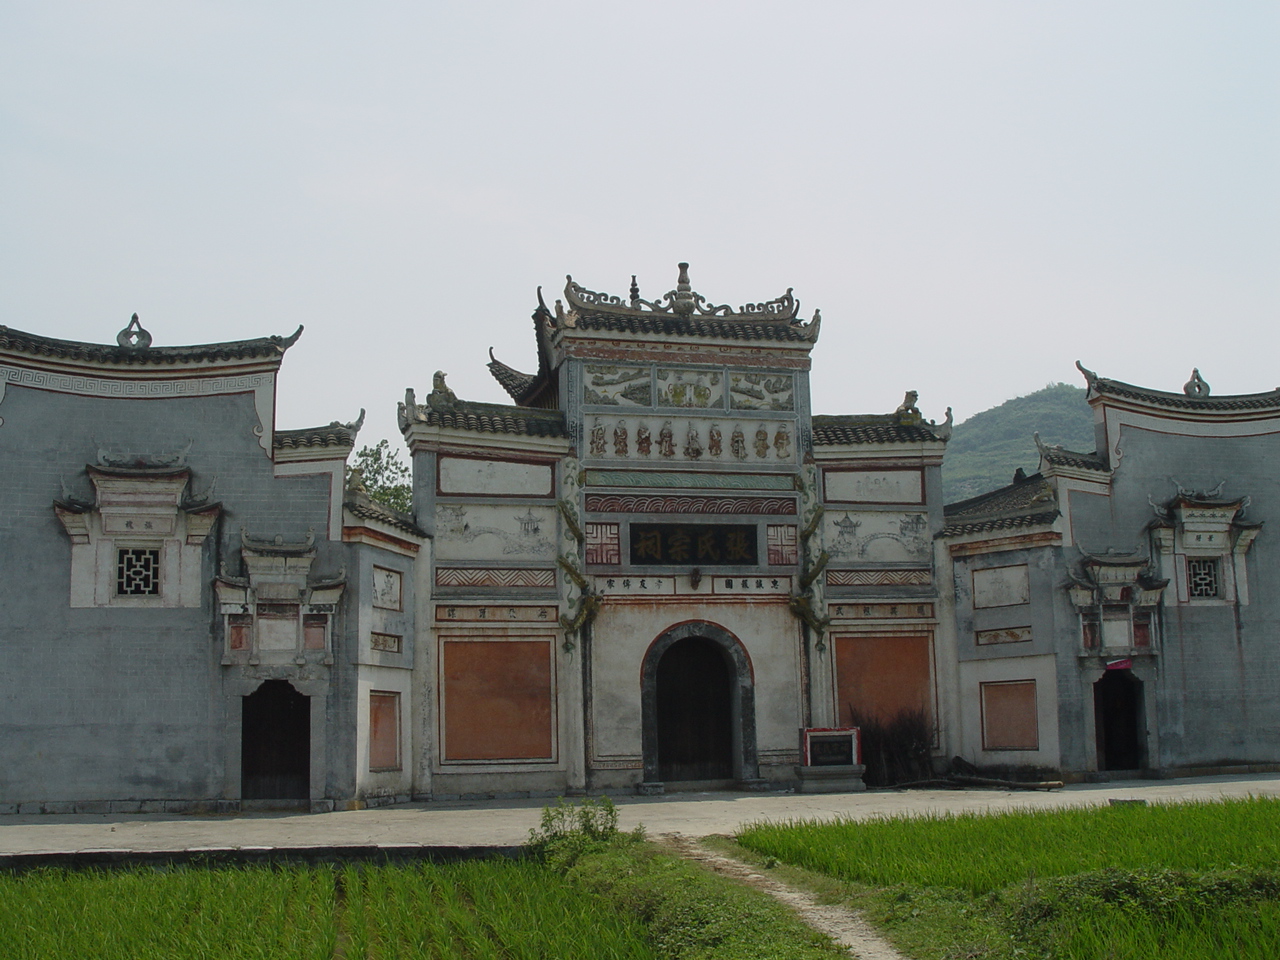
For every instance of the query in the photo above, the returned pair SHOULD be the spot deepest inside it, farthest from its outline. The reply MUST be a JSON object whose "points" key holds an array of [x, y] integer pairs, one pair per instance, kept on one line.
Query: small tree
{"points": [[385, 476]]}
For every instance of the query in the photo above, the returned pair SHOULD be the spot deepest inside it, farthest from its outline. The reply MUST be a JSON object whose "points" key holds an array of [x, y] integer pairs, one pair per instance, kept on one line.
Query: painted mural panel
{"points": [[690, 389], [875, 486], [650, 439], [877, 537], [615, 385], [762, 391], [495, 477], [488, 532], [1001, 586]]}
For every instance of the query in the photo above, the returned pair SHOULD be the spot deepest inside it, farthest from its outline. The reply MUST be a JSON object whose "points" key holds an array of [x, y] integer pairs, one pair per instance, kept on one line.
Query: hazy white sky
{"points": [[974, 193]]}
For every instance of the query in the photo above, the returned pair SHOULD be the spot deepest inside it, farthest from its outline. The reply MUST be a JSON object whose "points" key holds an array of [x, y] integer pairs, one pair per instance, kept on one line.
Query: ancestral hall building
{"points": [[654, 567]]}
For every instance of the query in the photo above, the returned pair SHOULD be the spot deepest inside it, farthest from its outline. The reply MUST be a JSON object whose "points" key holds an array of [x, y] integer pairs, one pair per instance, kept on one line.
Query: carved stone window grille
{"points": [[1202, 577], [138, 572]]}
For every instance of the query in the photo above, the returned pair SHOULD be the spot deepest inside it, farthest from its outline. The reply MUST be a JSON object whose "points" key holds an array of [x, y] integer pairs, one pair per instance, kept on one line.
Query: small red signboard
{"points": [[1124, 663]]}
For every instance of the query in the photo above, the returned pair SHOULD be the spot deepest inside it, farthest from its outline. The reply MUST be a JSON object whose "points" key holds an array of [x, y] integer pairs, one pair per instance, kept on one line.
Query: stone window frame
{"points": [[1194, 528], [394, 697], [987, 745], [137, 508]]}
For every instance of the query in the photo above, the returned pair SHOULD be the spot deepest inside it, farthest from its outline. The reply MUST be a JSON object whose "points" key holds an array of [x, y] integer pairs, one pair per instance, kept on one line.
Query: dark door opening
{"points": [[1118, 719], [694, 712], [275, 753]]}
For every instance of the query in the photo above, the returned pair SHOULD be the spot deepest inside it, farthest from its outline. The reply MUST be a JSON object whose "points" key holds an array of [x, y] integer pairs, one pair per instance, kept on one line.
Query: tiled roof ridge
{"points": [[486, 418], [36, 345], [722, 328], [993, 524], [1057, 455], [334, 434], [832, 429], [1026, 496], [365, 507], [1195, 395]]}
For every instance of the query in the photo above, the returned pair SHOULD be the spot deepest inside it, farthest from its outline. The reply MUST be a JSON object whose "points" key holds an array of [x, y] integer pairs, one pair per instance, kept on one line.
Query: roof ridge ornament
{"points": [[134, 337], [683, 301], [1196, 388]]}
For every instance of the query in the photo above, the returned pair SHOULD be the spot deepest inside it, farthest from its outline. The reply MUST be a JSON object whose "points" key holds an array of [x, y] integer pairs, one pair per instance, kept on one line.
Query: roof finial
{"points": [[1196, 388], [635, 291], [683, 303], [133, 336]]}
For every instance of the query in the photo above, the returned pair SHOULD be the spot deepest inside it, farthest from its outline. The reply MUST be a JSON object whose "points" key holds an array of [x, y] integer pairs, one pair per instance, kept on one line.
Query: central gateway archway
{"points": [[698, 706]]}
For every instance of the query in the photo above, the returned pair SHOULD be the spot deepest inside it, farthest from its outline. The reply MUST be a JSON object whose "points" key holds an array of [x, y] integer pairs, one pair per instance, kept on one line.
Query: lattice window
{"points": [[138, 572], [1202, 577]]}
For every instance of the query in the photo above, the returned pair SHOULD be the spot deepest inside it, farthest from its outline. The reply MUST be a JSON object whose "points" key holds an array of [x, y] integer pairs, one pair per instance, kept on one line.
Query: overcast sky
{"points": [[975, 194]]}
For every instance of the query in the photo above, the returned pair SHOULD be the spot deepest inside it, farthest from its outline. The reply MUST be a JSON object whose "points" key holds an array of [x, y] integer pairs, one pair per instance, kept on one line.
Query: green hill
{"points": [[987, 448]]}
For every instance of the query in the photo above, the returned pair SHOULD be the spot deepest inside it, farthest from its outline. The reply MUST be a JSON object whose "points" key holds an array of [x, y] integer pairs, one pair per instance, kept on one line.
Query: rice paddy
{"points": [[1177, 882], [480, 909]]}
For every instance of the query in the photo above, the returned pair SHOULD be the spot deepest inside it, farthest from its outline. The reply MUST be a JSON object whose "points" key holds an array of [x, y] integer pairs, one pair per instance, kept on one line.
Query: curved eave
{"points": [[1228, 406], [48, 350]]}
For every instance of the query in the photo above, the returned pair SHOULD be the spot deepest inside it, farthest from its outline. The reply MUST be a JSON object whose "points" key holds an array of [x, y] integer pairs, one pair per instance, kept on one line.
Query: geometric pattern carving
{"points": [[1202, 576], [879, 578], [603, 545], [621, 503], [782, 540], [489, 577], [138, 572]]}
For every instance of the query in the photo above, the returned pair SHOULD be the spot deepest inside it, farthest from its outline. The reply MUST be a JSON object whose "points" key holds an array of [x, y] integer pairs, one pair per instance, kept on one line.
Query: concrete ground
{"points": [[507, 823]]}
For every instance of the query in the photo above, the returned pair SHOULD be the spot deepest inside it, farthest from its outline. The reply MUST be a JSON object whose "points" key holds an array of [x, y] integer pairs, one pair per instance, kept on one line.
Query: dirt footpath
{"points": [[842, 925]]}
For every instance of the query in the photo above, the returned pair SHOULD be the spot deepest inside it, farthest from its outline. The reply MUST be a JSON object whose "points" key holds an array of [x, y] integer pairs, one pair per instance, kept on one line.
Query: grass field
{"points": [[1176, 881]]}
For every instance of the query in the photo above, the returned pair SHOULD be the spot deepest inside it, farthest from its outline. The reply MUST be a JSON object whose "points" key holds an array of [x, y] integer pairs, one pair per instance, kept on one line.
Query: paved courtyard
{"points": [[506, 823]]}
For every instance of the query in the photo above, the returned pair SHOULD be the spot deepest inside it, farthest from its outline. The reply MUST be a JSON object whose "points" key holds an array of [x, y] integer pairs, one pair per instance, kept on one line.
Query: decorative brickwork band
{"points": [[879, 578], [751, 506], [487, 577]]}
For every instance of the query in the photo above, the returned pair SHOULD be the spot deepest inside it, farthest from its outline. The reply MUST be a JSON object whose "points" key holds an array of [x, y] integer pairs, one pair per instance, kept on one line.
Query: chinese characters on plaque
{"points": [[693, 544]]}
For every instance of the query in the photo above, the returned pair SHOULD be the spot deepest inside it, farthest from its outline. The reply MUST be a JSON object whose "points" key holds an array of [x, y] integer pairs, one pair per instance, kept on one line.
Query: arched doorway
{"points": [[698, 703], [695, 712], [1118, 721], [275, 752]]}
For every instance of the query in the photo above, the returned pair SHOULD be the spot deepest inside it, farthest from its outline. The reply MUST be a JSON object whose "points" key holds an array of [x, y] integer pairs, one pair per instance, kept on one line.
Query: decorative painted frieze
{"points": [[617, 385], [911, 577], [494, 577], [690, 389], [762, 391], [887, 537], [700, 440], [485, 532]]}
